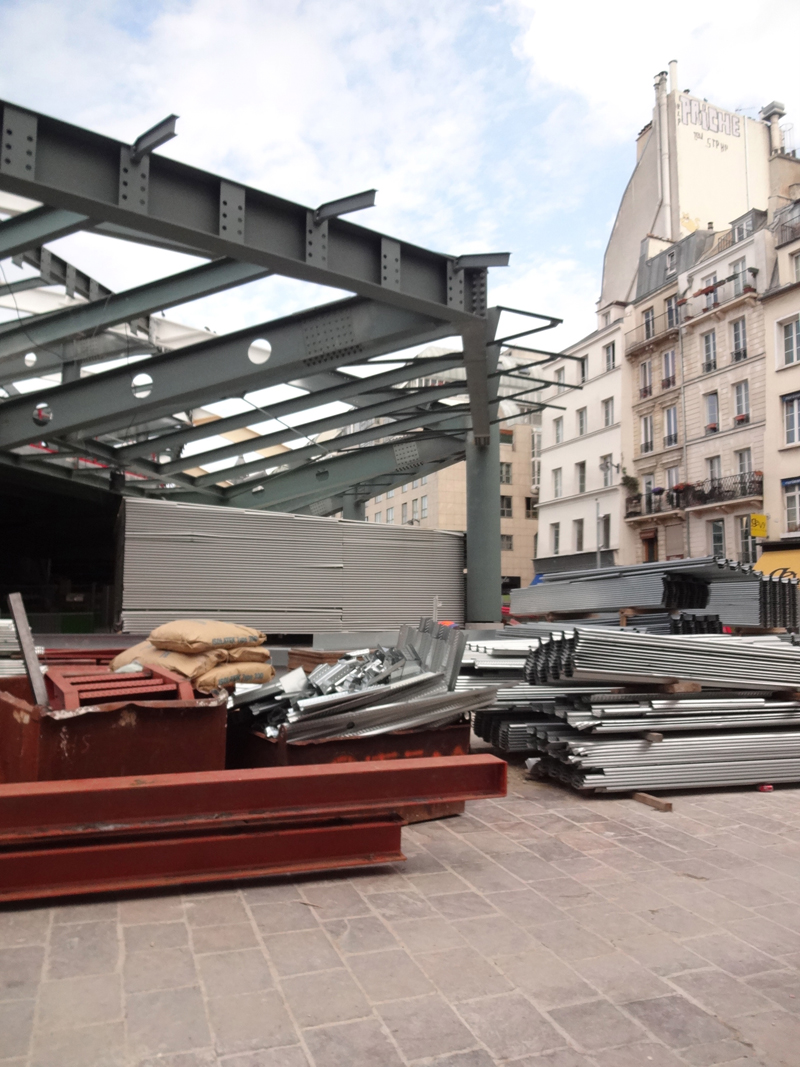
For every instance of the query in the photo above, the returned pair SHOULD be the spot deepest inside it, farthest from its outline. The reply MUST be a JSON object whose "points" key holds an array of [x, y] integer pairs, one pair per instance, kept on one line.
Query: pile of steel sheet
{"points": [[367, 692]]}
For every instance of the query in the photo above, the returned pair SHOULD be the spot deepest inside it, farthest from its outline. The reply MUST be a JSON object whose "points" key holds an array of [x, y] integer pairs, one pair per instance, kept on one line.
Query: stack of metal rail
{"points": [[365, 693], [9, 647]]}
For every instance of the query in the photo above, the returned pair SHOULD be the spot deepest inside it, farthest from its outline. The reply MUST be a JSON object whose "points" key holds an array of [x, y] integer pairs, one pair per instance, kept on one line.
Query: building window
{"points": [[648, 484], [607, 467], [738, 272], [645, 379], [530, 508], [577, 534], [405, 488], [389, 494], [506, 511], [379, 498], [792, 497], [791, 342], [742, 229], [673, 476], [649, 319], [741, 393], [557, 482], [536, 463], [424, 479], [404, 514], [716, 531], [583, 367], [608, 411], [560, 380], [507, 437], [505, 474], [668, 369], [712, 412], [558, 429], [744, 461], [747, 543], [650, 546], [415, 484], [791, 417], [415, 509], [739, 341], [377, 517], [709, 351], [670, 427], [714, 468], [506, 543], [606, 318], [580, 476], [610, 352], [555, 537], [581, 413], [671, 266], [647, 433], [605, 531], [390, 516], [423, 507], [710, 283], [671, 307]]}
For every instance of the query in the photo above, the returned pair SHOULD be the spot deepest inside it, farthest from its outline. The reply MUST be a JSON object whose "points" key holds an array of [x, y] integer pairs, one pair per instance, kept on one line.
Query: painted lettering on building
{"points": [[695, 112]]}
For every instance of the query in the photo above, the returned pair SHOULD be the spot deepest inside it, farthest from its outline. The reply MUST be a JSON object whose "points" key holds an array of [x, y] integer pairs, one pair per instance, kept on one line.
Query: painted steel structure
{"points": [[126, 428]]}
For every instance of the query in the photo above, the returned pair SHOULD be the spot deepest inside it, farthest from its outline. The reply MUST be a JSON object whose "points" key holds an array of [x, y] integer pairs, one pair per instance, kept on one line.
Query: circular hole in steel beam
{"points": [[259, 351], [141, 385], [42, 414], [30, 359]]}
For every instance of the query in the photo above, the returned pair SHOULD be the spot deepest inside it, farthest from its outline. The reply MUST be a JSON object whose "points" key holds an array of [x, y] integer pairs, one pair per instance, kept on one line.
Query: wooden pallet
{"points": [[70, 688]]}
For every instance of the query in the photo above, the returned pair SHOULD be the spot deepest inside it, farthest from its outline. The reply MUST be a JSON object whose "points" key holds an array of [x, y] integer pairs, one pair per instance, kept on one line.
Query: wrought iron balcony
{"points": [[651, 330], [647, 446], [709, 365], [685, 495], [741, 420], [645, 391], [670, 440], [789, 231], [738, 355], [711, 427], [668, 383]]}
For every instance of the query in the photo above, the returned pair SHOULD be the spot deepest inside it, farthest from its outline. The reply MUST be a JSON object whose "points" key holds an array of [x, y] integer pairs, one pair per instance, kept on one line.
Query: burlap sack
{"points": [[248, 654], [204, 635], [189, 666], [231, 673]]}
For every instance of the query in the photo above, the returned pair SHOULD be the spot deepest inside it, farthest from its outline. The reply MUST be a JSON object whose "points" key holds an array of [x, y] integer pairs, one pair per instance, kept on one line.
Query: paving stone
{"points": [[357, 1044], [745, 893], [147, 936], [731, 954], [20, 971], [462, 973], [679, 922], [775, 1034], [389, 975], [510, 1026], [151, 910], [528, 867], [206, 1057], [596, 1025], [72, 1002], [168, 968], [781, 986], [83, 1046], [223, 938], [83, 948], [366, 934], [495, 935], [786, 914], [24, 927], [216, 910], [250, 1021], [226, 973], [324, 997], [563, 1057], [88, 911], [677, 1022], [720, 993], [566, 892], [436, 883], [428, 935], [488, 877], [394, 907], [421, 863], [340, 901], [169, 1020], [425, 1026], [570, 940], [660, 954], [720, 1052], [306, 950], [620, 978], [278, 891], [16, 1025], [766, 935], [526, 907], [477, 1057], [284, 917], [612, 922], [293, 1056], [545, 978], [639, 1055], [465, 905]]}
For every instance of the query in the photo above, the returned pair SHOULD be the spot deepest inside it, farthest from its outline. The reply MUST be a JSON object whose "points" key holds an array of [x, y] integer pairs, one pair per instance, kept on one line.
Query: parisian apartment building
{"points": [[679, 417]]}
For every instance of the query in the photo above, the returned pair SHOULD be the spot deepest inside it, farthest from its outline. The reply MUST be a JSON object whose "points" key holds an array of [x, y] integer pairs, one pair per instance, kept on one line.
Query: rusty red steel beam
{"points": [[170, 803], [140, 863]]}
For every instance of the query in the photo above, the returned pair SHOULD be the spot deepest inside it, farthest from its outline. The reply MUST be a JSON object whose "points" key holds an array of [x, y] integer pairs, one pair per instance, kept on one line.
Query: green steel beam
{"points": [[36, 227], [347, 331]]}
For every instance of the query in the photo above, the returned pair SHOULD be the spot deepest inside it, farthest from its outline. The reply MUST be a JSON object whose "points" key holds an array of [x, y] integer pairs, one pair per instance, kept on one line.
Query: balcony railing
{"points": [[668, 383], [741, 420], [708, 298], [645, 391], [670, 440], [789, 231], [651, 329], [738, 355], [711, 427], [711, 491], [709, 365], [647, 446]]}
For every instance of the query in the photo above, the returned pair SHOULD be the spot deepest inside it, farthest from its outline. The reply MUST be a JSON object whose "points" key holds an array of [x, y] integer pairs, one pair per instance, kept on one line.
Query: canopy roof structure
{"points": [[144, 428]]}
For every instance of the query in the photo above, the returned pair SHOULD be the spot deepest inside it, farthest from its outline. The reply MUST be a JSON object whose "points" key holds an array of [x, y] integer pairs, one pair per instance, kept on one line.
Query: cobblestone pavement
{"points": [[544, 929]]}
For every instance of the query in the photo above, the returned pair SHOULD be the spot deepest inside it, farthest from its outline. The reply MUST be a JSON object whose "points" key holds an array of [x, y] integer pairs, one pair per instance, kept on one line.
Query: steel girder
{"points": [[364, 491], [33, 228], [105, 346], [348, 331]]}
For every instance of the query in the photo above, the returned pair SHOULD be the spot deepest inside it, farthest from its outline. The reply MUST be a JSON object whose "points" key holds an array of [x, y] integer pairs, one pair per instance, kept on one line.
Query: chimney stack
{"points": [[772, 114], [673, 75]]}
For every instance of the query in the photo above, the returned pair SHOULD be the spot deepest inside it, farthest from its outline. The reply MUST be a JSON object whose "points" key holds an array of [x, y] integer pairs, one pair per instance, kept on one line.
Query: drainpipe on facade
{"points": [[681, 325], [663, 148]]}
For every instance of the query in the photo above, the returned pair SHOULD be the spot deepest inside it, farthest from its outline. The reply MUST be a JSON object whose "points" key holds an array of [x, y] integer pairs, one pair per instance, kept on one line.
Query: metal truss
{"points": [[130, 427]]}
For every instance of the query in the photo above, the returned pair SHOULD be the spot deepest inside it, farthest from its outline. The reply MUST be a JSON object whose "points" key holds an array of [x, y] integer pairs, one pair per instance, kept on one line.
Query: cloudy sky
{"points": [[485, 125]]}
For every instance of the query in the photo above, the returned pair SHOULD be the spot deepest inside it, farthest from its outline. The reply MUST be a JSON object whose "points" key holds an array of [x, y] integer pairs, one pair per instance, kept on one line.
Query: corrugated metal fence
{"points": [[283, 573]]}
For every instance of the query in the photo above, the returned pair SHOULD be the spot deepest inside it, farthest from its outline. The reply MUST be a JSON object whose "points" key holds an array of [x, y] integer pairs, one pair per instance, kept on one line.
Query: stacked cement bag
{"points": [[210, 653]]}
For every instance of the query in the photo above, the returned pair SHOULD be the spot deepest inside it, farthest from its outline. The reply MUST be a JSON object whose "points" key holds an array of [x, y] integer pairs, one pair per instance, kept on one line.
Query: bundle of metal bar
{"points": [[107, 834]]}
